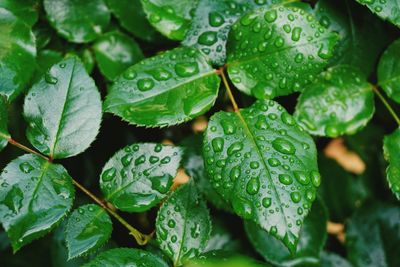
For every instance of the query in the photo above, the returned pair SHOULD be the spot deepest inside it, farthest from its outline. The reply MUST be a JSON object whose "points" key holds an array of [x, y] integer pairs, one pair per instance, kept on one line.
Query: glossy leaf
{"points": [[329, 259], [126, 257], [389, 71], [386, 9], [170, 17], [372, 236], [288, 48], [17, 54], [132, 17], [139, 176], [339, 102], [88, 228], [77, 21], [4, 135], [167, 89], [183, 224], [221, 238], [34, 196], [265, 165], [391, 148], [45, 59], [63, 110], [115, 52], [312, 239], [26, 10]]}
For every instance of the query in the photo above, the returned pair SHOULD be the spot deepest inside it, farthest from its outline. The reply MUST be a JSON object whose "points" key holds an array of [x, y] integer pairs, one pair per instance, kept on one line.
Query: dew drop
{"points": [[253, 186], [26, 167], [186, 69], [109, 174], [145, 84], [283, 146]]}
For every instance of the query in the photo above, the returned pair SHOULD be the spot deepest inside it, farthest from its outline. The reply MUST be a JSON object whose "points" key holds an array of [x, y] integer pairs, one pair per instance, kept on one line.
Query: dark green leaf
{"points": [[26, 10], [183, 224], [276, 51], [34, 196], [77, 21], [329, 259], [120, 257], [221, 238], [167, 89], [17, 54], [389, 71], [312, 239], [139, 176], [386, 9], [218, 258], [391, 148], [4, 135], [85, 56], [339, 102], [63, 110], [372, 236], [45, 59], [115, 52], [265, 165], [170, 17], [88, 228]]}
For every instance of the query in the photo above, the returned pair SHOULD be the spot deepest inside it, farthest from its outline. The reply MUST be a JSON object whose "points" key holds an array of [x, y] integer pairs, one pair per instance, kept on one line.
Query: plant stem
{"points": [[141, 239], [387, 105], [228, 89]]}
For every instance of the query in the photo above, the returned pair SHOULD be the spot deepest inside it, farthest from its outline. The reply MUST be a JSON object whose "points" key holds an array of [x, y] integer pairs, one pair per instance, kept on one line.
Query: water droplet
{"points": [[283, 146], [242, 207], [271, 15], [253, 186], [26, 167], [195, 230], [174, 239], [162, 183], [126, 160], [140, 160], [62, 65], [302, 177], [50, 78], [154, 159], [295, 196], [217, 144], [145, 84], [315, 178], [235, 147], [215, 19], [228, 127], [109, 174], [208, 38], [254, 165], [129, 74], [81, 211], [285, 179], [296, 33], [235, 173], [186, 69], [161, 75], [324, 52], [266, 202], [310, 195], [274, 162], [171, 223], [287, 119]]}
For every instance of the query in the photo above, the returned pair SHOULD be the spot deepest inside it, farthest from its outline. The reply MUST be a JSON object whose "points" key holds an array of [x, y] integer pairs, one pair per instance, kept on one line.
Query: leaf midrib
{"points": [[184, 226]]}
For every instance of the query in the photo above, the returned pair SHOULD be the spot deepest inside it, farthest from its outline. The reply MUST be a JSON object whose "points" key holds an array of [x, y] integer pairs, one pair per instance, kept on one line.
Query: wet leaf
{"points": [[26, 10], [219, 258], [391, 148], [386, 9], [389, 71], [4, 135], [45, 59]]}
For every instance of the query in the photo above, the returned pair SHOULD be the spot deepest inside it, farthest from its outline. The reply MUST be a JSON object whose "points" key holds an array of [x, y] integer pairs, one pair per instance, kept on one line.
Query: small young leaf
{"points": [[17, 54], [265, 165], [170, 17], [115, 52], [139, 176], [167, 89], [391, 148], [126, 257], [34, 196], [183, 224], [389, 71], [4, 135], [329, 259], [63, 110], [276, 51], [26, 10], [77, 21], [339, 102], [312, 239], [386, 9], [88, 228]]}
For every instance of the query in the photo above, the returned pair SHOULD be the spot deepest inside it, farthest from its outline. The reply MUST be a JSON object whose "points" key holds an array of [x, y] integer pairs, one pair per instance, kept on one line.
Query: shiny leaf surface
{"points": [[391, 148], [389, 71], [329, 259], [26, 10], [4, 135], [386, 9]]}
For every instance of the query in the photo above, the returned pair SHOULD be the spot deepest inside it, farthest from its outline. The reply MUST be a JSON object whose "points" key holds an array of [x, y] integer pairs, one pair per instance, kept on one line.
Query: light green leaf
{"points": [[277, 51], [139, 176], [312, 239], [88, 228], [77, 21], [329, 259], [183, 224], [391, 148], [339, 102], [63, 110], [126, 257], [34, 196], [115, 52], [389, 71], [167, 89], [265, 166], [4, 135], [17, 54], [170, 17], [386, 9], [26, 10]]}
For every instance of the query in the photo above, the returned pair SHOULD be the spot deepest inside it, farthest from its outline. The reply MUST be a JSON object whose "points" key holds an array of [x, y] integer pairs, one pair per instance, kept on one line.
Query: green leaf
{"points": [[115, 52], [63, 110], [183, 224], [361, 33], [329, 259], [4, 135], [45, 59], [372, 236], [288, 48], [391, 148], [167, 89], [86, 56], [218, 258], [26, 10], [385, 9], [132, 17], [126, 257], [265, 165], [389, 71], [170, 17], [221, 237], [77, 21], [139, 176], [17, 54], [34, 196], [339, 102]]}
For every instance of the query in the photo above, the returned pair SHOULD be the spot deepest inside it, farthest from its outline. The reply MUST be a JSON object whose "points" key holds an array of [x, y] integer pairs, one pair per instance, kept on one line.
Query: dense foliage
{"points": [[200, 133]]}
